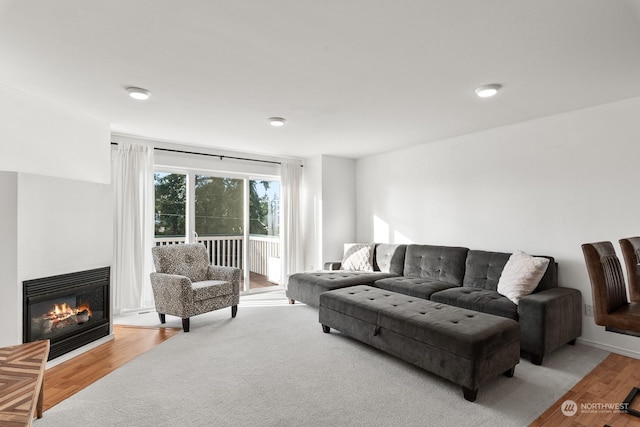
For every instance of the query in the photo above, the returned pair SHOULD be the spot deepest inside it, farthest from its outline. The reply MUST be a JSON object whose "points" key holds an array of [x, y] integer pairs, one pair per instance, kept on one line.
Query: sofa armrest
{"points": [[170, 289], [549, 319], [228, 274], [333, 265]]}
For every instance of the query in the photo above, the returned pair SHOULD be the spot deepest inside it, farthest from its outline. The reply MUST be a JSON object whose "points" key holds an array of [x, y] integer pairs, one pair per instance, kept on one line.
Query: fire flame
{"points": [[62, 316], [64, 311]]}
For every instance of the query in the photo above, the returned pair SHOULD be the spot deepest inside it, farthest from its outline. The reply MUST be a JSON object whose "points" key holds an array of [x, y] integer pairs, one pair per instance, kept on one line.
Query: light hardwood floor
{"points": [[608, 384], [67, 378]]}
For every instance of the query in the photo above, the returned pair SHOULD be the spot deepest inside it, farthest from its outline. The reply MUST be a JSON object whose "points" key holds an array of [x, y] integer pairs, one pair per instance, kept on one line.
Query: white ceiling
{"points": [[352, 77]]}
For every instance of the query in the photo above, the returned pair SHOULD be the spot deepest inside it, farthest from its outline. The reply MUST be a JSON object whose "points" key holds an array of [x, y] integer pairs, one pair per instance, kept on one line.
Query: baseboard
{"points": [[261, 290], [610, 348]]}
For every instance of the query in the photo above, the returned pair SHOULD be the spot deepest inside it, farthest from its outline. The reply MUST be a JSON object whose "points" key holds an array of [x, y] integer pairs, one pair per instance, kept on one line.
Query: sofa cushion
{"points": [[389, 258], [482, 300], [521, 275], [358, 257], [550, 278], [413, 286], [483, 270], [307, 287], [441, 263]]}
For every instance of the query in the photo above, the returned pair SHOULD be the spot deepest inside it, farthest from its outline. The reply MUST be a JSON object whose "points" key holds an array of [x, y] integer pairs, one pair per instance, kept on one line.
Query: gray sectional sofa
{"points": [[549, 317]]}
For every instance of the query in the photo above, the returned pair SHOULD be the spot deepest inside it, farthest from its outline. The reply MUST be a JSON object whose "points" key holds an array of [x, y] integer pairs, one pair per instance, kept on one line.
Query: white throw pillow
{"points": [[358, 256], [521, 275]]}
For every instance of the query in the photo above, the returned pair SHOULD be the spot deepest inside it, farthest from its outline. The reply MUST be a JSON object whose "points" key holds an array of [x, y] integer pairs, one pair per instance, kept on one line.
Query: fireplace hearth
{"points": [[71, 310]]}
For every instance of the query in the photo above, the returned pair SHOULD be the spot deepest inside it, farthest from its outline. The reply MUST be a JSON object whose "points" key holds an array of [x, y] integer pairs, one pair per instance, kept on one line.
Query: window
{"points": [[264, 208], [219, 206], [170, 204]]}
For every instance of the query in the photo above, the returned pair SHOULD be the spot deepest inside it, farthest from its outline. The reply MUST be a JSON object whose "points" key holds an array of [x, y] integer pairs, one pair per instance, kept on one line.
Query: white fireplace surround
{"points": [[50, 226]]}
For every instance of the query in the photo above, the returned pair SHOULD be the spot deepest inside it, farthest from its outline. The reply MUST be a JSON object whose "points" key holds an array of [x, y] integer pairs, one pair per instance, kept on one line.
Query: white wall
{"points": [[338, 205], [40, 137], [45, 229], [328, 209], [544, 186], [64, 226], [10, 294]]}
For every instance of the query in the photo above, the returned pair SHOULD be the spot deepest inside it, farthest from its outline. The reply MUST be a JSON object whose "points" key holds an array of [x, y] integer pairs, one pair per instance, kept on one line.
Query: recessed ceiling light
{"points": [[138, 93], [487, 91], [277, 121]]}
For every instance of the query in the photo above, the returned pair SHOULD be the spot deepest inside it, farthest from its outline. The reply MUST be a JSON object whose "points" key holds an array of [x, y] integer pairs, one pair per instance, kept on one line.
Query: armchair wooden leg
{"points": [[162, 318], [185, 324], [234, 310]]}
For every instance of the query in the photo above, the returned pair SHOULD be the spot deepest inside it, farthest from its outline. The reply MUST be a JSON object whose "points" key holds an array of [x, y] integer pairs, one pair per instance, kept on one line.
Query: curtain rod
{"points": [[220, 156]]}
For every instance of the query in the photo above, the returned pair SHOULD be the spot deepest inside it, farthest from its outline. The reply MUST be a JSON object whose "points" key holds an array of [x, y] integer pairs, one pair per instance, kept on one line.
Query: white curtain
{"points": [[291, 235], [133, 191]]}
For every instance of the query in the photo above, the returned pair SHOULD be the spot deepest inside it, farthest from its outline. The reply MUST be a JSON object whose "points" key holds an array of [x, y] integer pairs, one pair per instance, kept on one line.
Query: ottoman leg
{"points": [[292, 301], [509, 372], [185, 324], [469, 394], [325, 329], [162, 318]]}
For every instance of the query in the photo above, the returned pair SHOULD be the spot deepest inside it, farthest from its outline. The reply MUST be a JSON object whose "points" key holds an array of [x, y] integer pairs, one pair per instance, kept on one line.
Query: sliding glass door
{"points": [[236, 218], [264, 232], [219, 218]]}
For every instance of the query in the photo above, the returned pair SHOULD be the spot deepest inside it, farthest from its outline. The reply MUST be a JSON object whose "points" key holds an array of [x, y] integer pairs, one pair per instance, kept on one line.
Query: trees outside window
{"points": [[264, 208], [218, 206], [170, 204]]}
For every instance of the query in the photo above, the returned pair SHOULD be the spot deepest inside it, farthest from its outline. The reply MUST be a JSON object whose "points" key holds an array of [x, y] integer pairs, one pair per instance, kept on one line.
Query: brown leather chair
{"points": [[631, 254], [610, 305]]}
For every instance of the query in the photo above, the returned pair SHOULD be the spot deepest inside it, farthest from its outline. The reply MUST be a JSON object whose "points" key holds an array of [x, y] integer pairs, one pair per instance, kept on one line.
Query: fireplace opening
{"points": [[70, 310]]}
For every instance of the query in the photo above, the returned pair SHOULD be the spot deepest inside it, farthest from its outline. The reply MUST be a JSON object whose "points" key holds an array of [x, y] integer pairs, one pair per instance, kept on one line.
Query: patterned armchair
{"points": [[185, 284]]}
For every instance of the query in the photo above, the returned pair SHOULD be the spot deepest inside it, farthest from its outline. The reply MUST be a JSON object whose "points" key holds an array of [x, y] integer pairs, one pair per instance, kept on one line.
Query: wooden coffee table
{"points": [[22, 382]]}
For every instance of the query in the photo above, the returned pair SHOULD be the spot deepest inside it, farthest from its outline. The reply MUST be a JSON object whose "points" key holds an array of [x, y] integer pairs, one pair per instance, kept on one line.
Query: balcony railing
{"points": [[227, 250]]}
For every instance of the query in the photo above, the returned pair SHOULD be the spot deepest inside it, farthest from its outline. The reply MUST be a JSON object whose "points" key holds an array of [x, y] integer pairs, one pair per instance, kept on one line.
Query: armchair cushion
{"points": [[226, 274], [211, 289]]}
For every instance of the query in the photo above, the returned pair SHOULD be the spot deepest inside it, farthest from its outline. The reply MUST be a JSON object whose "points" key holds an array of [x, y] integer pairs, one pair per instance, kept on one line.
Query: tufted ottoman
{"points": [[466, 347]]}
